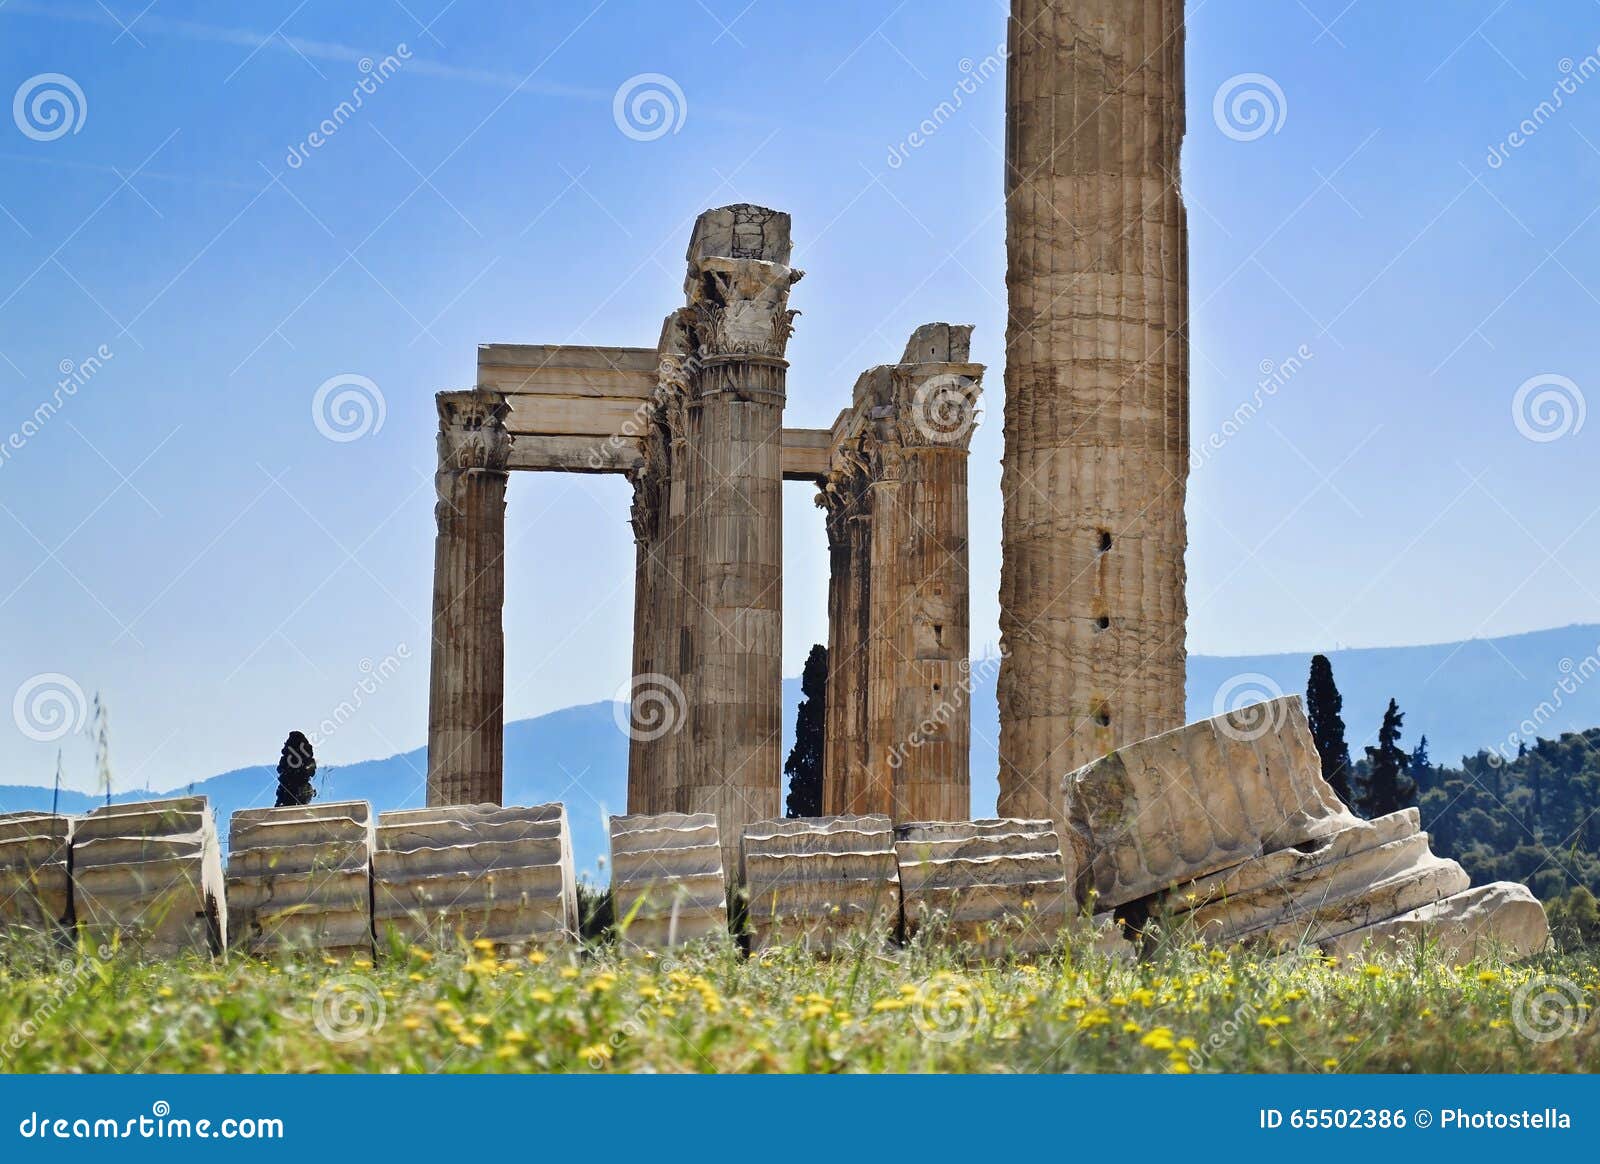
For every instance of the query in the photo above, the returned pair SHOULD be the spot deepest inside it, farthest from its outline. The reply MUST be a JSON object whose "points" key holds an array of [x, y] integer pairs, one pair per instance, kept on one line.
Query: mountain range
{"points": [[1465, 696]]}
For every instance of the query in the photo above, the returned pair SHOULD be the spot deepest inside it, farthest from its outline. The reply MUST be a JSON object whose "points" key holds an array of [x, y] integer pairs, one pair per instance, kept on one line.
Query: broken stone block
{"points": [[667, 883], [1317, 890], [35, 872], [151, 873], [477, 871], [1502, 919], [814, 882], [300, 878], [999, 886], [1193, 801]]}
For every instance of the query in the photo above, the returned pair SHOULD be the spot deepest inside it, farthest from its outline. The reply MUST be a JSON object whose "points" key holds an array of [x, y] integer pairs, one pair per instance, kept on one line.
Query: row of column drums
{"points": [[331, 878]]}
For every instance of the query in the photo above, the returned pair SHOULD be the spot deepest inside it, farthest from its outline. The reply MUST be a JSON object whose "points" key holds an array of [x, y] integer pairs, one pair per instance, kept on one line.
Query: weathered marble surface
{"points": [[813, 882], [300, 878], [667, 881], [998, 886], [151, 873], [1500, 919], [1187, 803], [35, 873], [475, 871]]}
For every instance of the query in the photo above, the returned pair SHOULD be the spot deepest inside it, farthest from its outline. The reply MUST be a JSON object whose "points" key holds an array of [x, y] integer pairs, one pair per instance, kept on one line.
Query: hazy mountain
{"points": [[1463, 696]]}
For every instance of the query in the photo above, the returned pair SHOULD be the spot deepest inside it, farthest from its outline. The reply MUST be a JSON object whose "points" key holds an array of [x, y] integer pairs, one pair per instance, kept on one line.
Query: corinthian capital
{"points": [[472, 430], [738, 282]]}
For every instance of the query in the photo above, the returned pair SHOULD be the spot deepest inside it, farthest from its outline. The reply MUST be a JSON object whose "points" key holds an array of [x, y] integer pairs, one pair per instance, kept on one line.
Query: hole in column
{"points": [[1102, 623], [1102, 715], [1105, 540]]}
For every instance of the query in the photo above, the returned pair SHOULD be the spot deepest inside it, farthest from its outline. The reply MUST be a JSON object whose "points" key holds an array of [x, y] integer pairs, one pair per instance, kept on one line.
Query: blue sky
{"points": [[182, 536]]}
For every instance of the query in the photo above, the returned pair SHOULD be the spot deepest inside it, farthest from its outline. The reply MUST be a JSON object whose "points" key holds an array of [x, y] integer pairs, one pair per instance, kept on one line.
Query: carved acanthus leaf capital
{"points": [[472, 432]]}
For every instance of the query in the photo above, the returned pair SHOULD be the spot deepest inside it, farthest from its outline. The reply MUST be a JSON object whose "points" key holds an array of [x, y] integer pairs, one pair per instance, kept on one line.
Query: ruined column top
{"points": [[741, 231]]}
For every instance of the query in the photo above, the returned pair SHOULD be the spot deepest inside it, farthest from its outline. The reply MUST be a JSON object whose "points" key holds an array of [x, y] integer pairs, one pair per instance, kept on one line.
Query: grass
{"points": [[708, 1008]]}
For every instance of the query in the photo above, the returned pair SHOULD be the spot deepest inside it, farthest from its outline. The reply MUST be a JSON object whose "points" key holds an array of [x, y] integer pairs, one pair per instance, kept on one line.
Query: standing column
{"points": [[844, 750], [1096, 431], [738, 291], [467, 677]]}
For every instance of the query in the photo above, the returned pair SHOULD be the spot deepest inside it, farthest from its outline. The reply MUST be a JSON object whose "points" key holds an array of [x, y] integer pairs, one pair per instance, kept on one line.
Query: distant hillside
{"points": [[1463, 696]]}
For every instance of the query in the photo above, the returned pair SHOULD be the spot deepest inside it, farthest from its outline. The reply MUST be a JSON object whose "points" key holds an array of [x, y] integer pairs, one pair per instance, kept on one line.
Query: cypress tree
{"points": [[296, 766], [1323, 705], [1389, 787], [804, 765]]}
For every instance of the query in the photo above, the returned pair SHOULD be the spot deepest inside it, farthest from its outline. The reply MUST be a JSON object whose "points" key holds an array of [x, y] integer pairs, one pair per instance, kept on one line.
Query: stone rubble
{"points": [[150, 873], [667, 881], [299, 879], [475, 871], [1227, 826]]}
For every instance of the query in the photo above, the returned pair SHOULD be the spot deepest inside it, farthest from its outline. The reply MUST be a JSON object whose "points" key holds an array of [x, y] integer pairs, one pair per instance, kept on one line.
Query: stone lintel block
{"points": [[1193, 801], [939, 343], [741, 231], [667, 880], [299, 878], [998, 885], [812, 882], [151, 871], [35, 871], [1502, 919], [475, 871]]}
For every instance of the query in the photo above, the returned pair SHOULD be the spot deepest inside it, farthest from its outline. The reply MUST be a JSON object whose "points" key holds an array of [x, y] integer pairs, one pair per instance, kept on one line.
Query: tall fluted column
{"points": [[738, 290], [1096, 431], [467, 678]]}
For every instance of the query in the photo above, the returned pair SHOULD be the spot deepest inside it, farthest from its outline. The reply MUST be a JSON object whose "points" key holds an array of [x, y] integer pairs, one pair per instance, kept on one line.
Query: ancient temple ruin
{"points": [[696, 423]]}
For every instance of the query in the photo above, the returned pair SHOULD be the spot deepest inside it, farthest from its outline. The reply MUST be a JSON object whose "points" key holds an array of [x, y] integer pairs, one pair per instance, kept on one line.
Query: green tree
{"points": [[1323, 705], [297, 766], [1388, 786], [804, 765]]}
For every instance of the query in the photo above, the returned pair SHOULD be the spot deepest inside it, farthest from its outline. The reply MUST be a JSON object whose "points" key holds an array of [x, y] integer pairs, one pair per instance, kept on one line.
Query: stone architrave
{"points": [[1097, 375], [300, 879], [466, 690], [466, 872], [1186, 803], [818, 882], [150, 873], [998, 886], [35, 872], [1502, 919], [667, 882]]}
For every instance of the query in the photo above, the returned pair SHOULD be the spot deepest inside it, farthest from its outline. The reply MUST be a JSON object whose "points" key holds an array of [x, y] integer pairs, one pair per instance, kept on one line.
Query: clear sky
{"points": [[181, 534]]}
